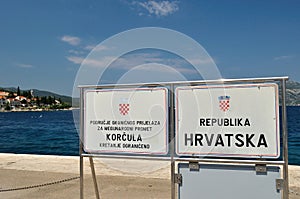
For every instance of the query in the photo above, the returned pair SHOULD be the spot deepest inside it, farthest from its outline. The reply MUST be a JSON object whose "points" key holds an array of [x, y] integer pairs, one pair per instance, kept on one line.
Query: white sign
{"points": [[228, 120], [130, 121]]}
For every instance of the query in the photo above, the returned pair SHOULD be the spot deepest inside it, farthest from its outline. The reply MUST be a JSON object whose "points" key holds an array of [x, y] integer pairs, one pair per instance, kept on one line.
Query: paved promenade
{"points": [[116, 178]]}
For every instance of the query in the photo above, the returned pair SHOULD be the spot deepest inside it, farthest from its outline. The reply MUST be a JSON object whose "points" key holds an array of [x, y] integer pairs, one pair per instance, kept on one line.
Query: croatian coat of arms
{"points": [[224, 103]]}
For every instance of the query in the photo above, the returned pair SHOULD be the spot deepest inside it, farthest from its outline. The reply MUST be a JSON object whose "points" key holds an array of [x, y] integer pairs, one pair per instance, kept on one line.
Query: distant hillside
{"points": [[292, 93], [63, 98]]}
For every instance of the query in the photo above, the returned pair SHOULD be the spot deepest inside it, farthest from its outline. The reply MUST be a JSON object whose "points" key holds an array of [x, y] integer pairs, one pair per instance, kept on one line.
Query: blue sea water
{"points": [[49, 132], [293, 122], [54, 133]]}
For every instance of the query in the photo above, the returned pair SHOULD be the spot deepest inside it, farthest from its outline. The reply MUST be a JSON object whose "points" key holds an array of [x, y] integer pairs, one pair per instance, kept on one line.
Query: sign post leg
{"points": [[172, 141], [285, 143], [81, 142], [81, 176], [94, 177], [173, 190]]}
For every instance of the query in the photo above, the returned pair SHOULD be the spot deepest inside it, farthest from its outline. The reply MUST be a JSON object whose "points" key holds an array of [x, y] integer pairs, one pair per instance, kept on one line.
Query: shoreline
{"points": [[38, 110]]}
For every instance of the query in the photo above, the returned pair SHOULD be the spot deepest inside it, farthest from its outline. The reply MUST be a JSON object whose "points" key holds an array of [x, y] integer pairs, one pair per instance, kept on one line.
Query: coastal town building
{"points": [[3, 94], [12, 101]]}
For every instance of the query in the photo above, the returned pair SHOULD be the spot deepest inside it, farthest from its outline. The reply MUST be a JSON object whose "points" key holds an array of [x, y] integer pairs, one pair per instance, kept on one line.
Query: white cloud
{"points": [[74, 41], [89, 47], [101, 63], [24, 65], [158, 8], [284, 57], [206, 60], [141, 62], [75, 59], [76, 52], [96, 48]]}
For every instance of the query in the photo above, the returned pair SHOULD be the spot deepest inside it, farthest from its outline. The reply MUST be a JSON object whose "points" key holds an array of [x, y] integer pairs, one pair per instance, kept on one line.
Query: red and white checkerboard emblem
{"points": [[124, 109], [224, 103]]}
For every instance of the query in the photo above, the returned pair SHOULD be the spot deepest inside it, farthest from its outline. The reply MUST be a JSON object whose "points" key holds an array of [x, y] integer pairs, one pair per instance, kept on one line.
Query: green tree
{"points": [[50, 100], [11, 95], [44, 100], [23, 101], [18, 91], [38, 102], [7, 107], [27, 94], [24, 93]]}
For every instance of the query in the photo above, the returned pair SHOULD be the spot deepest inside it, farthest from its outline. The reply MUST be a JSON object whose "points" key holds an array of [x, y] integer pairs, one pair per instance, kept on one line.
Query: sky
{"points": [[44, 43]]}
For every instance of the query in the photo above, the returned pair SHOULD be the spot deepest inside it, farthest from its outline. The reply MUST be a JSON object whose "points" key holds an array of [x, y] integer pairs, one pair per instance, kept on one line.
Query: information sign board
{"points": [[228, 181], [132, 121], [228, 120]]}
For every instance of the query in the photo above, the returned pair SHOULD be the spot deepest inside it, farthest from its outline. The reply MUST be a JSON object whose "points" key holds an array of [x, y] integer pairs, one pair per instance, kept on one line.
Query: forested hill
{"points": [[293, 93]]}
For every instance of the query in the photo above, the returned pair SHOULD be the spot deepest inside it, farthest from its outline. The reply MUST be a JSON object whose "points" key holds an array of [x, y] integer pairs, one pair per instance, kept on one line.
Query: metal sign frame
{"points": [[189, 98], [228, 181], [171, 86], [103, 106]]}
